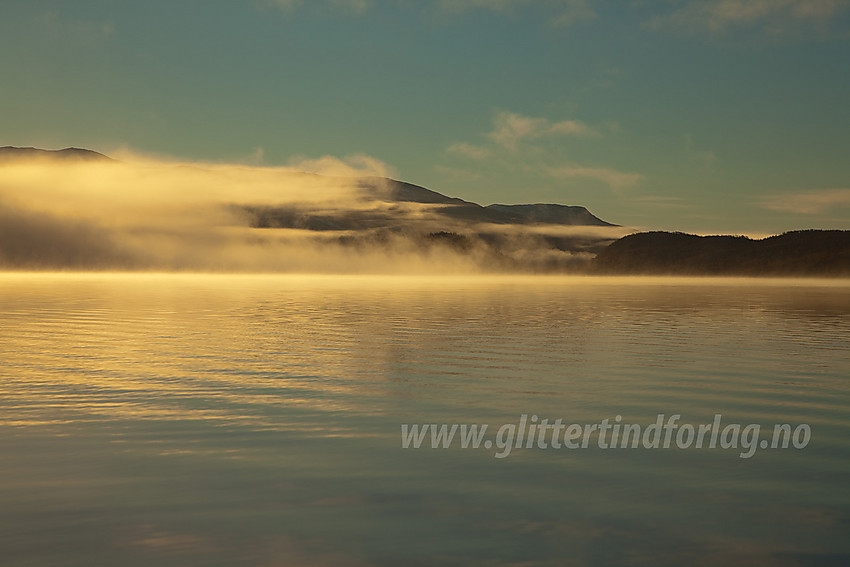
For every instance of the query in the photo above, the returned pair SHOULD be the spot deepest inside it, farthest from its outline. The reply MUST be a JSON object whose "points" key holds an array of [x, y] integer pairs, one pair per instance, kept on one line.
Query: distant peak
{"points": [[14, 152], [549, 213]]}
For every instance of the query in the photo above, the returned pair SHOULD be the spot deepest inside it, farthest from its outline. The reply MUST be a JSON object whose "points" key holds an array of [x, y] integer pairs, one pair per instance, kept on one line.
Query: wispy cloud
{"points": [[511, 128], [355, 165], [564, 12], [464, 5], [511, 131], [509, 146], [777, 17], [574, 11], [462, 149], [354, 7], [611, 177], [286, 5], [560, 13], [808, 202]]}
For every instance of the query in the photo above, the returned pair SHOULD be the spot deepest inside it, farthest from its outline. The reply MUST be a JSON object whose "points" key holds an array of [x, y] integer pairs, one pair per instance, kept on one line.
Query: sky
{"points": [[706, 116]]}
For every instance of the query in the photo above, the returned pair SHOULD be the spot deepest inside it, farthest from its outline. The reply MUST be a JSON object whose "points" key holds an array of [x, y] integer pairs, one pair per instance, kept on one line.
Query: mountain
{"points": [[798, 253], [392, 190], [12, 152], [536, 237], [370, 217], [537, 213], [442, 212], [548, 214]]}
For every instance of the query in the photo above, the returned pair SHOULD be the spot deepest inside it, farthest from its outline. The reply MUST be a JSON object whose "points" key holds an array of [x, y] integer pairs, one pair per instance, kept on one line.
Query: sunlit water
{"points": [[255, 420]]}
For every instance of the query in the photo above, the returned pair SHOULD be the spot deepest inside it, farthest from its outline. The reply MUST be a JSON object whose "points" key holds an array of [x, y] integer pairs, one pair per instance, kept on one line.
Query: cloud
{"points": [[560, 13], [507, 141], [574, 11], [777, 17], [470, 151], [564, 13], [511, 128], [286, 5], [464, 5], [353, 7], [808, 202], [355, 165], [256, 157], [611, 177]]}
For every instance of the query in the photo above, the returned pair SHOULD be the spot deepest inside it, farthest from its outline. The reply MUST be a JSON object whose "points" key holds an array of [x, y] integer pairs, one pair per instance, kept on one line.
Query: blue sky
{"points": [[697, 115]]}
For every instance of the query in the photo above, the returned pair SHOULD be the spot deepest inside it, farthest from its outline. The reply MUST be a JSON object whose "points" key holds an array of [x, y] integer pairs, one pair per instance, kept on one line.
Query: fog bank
{"points": [[146, 214]]}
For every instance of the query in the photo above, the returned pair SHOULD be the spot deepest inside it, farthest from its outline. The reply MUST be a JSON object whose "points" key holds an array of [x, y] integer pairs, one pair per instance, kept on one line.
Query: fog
{"points": [[146, 214]]}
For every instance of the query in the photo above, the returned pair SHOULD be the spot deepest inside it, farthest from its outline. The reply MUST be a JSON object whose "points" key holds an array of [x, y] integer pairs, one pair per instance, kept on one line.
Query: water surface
{"points": [[255, 420]]}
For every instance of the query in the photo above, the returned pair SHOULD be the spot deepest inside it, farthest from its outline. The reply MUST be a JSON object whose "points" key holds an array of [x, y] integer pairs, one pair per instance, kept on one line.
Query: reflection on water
{"points": [[254, 420]]}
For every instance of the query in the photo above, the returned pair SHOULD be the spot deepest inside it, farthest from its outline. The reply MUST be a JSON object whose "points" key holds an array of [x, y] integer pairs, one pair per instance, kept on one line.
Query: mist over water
{"points": [[142, 214], [254, 420]]}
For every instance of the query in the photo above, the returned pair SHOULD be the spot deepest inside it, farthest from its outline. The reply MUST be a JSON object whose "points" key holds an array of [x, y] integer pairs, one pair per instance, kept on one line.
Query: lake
{"points": [[180, 419]]}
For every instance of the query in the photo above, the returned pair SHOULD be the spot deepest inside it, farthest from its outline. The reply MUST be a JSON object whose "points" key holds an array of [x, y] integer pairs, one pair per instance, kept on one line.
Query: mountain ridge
{"points": [[72, 153], [795, 253]]}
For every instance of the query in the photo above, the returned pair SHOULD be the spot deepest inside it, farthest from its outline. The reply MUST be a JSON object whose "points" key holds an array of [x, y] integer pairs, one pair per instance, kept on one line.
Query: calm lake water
{"points": [[256, 420]]}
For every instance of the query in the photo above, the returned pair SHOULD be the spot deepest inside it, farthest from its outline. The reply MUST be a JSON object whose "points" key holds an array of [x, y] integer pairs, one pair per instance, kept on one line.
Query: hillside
{"points": [[799, 253]]}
